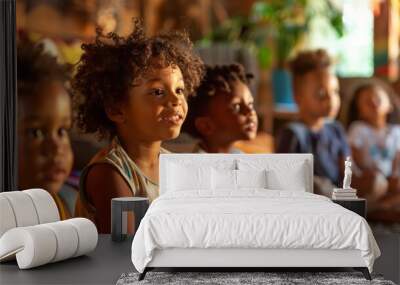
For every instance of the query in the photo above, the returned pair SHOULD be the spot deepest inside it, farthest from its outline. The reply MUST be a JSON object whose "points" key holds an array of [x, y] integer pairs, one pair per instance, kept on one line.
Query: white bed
{"points": [[195, 223]]}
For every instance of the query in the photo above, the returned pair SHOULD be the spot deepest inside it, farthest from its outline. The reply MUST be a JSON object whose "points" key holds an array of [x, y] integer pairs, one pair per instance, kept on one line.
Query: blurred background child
{"points": [[44, 119], [316, 92], [132, 90], [222, 112], [374, 141]]}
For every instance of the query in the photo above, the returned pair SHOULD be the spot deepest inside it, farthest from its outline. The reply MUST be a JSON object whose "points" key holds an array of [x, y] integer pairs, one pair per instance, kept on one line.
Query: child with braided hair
{"points": [[222, 112]]}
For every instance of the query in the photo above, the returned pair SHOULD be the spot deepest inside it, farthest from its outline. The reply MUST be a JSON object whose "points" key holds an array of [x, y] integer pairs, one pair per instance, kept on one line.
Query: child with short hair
{"points": [[133, 91], [45, 156], [315, 89], [375, 142], [222, 112]]}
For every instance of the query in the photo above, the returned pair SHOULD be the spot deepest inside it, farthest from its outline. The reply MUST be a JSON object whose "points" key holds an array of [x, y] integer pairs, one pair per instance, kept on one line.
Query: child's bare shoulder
{"points": [[104, 176]]}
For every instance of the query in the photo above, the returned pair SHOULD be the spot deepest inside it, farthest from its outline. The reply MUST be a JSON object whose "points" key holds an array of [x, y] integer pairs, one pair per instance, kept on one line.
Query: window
{"points": [[353, 51]]}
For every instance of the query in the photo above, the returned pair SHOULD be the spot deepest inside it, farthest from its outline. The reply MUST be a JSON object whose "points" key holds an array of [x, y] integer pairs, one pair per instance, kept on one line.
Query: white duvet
{"points": [[253, 218]]}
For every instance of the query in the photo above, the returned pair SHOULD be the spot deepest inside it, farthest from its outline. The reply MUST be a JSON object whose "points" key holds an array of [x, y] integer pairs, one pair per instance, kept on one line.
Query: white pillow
{"points": [[181, 177], [224, 179], [251, 178], [282, 174], [279, 180]]}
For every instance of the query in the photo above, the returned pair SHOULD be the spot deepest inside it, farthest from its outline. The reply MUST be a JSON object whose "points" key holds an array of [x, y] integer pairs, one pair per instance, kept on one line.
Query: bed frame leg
{"points": [[143, 274], [364, 271]]}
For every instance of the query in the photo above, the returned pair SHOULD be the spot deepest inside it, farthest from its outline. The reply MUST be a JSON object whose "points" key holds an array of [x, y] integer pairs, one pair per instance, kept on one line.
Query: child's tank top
{"points": [[115, 155]]}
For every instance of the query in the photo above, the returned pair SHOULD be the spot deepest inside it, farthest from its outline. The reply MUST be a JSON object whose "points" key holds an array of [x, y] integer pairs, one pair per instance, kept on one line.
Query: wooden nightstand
{"points": [[358, 206]]}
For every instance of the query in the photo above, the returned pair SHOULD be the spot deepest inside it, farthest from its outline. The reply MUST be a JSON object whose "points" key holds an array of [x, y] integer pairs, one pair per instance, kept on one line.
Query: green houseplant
{"points": [[272, 31], [287, 22]]}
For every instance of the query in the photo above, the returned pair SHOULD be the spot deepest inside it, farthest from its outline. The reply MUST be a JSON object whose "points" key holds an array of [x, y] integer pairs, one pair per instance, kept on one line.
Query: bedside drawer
{"points": [[358, 206]]}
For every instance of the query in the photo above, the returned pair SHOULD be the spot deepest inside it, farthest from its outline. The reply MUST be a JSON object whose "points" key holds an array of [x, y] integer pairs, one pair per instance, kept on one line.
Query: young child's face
{"points": [[231, 117], [44, 152], [373, 104], [318, 94], [156, 106]]}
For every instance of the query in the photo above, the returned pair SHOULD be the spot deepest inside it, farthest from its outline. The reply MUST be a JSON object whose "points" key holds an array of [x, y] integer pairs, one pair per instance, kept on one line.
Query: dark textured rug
{"points": [[229, 278]]}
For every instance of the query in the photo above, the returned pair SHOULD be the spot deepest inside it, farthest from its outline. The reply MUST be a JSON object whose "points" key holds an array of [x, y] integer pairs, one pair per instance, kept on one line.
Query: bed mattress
{"points": [[250, 219]]}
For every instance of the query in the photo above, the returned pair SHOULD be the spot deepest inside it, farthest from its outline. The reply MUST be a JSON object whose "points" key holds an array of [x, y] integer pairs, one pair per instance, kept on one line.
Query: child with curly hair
{"points": [[222, 111], [132, 90], [45, 155]]}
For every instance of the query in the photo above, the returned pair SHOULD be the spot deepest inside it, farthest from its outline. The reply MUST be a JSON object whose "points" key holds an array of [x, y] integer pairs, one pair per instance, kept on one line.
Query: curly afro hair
{"points": [[35, 66], [308, 61], [217, 80], [111, 65]]}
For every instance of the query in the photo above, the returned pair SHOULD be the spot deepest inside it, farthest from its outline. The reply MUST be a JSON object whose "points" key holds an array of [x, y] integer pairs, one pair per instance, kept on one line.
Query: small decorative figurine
{"points": [[347, 173], [345, 193]]}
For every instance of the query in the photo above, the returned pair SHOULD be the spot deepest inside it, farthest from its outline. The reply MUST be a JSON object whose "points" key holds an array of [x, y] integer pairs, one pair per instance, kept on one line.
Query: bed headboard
{"points": [[274, 160]]}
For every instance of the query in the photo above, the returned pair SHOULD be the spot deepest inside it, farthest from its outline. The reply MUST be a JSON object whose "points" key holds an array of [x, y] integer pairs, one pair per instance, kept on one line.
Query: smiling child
{"points": [[132, 90]]}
